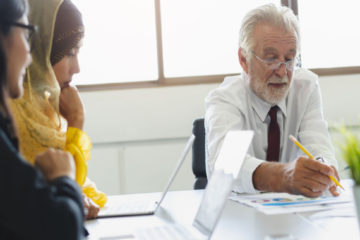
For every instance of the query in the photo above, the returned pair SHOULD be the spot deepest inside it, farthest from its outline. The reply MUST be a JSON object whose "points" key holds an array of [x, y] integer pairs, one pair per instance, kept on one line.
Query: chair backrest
{"points": [[198, 154]]}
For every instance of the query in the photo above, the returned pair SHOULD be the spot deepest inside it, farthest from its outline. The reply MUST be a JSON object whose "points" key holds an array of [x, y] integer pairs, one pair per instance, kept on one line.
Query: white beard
{"points": [[269, 93]]}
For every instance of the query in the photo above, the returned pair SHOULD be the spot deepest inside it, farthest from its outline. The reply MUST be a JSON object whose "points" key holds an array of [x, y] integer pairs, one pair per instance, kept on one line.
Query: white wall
{"points": [[138, 134]]}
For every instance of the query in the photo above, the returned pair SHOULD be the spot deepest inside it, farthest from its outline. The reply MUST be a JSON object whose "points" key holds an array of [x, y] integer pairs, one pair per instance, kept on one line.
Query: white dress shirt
{"points": [[233, 105]]}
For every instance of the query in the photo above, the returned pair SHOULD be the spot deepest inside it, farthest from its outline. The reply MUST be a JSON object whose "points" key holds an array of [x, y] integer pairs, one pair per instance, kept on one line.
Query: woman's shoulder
{"points": [[6, 134]]}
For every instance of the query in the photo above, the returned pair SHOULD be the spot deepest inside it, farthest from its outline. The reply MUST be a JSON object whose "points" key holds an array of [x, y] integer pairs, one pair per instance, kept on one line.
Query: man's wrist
{"points": [[268, 177], [260, 177]]}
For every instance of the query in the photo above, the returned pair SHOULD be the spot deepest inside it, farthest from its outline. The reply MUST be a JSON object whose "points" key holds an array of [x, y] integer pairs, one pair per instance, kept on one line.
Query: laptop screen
{"points": [[227, 167], [177, 168], [233, 151]]}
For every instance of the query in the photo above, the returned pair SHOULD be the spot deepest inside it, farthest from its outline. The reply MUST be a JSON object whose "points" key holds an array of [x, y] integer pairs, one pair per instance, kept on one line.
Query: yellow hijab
{"points": [[37, 115]]}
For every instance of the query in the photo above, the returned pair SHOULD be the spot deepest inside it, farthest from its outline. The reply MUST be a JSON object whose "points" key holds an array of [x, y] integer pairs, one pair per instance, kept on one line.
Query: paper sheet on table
{"points": [[342, 217], [344, 210], [281, 203]]}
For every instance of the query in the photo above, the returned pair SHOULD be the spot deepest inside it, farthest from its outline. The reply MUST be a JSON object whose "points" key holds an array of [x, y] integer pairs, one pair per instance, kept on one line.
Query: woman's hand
{"points": [[54, 163], [91, 208], [71, 107]]}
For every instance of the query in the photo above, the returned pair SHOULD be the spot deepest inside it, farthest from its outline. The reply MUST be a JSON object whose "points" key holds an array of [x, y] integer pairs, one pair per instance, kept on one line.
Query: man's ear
{"points": [[243, 61]]}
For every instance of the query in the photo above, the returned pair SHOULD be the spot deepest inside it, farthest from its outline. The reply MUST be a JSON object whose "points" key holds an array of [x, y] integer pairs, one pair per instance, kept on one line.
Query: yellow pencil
{"points": [[293, 139]]}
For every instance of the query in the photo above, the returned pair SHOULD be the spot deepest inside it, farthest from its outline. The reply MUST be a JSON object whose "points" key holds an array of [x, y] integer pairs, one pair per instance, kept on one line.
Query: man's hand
{"points": [[91, 208], [55, 163], [308, 177], [302, 176], [71, 107]]}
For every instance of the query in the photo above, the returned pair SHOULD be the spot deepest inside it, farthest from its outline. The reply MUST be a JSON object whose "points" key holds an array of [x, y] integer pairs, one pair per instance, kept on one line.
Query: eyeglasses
{"points": [[275, 64], [30, 30]]}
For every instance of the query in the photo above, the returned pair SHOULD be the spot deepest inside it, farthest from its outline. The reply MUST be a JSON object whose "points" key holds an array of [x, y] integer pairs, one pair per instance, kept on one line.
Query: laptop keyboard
{"points": [[128, 208], [166, 232]]}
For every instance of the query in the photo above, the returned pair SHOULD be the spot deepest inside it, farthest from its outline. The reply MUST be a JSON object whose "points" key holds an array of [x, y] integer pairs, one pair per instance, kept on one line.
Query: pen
{"points": [[293, 139]]}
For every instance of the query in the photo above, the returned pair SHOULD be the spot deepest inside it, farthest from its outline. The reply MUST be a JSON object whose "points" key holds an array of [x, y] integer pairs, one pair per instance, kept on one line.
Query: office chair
{"points": [[198, 154]]}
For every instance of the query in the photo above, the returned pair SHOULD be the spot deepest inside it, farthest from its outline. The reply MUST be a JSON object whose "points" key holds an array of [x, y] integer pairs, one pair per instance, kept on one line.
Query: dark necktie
{"points": [[273, 150]]}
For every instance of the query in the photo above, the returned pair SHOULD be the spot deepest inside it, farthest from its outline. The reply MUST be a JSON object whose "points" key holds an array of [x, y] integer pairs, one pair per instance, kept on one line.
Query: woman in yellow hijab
{"points": [[51, 113]]}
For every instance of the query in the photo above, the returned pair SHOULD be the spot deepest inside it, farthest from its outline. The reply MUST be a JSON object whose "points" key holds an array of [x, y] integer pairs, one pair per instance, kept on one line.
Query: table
{"points": [[237, 221]]}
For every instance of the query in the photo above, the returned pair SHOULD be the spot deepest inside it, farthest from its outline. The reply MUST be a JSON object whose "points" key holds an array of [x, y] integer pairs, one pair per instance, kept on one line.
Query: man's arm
{"points": [[220, 117], [314, 134], [313, 130], [302, 176]]}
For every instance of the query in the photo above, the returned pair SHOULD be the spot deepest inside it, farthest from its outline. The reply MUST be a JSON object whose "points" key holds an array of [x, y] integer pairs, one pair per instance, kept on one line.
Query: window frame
{"points": [[163, 81]]}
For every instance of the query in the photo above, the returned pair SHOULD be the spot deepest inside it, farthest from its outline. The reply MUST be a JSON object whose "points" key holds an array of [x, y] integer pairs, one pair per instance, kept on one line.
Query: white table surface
{"points": [[237, 221]]}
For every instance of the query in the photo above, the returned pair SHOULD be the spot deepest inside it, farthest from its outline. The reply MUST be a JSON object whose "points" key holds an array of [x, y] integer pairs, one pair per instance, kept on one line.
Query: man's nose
{"points": [[281, 71]]}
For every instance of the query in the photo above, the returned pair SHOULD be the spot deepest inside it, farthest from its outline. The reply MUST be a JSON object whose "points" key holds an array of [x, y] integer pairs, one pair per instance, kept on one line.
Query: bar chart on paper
{"points": [[280, 203]]}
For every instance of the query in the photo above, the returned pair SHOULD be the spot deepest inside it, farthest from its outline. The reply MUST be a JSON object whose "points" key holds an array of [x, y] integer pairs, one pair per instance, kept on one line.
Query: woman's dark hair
{"points": [[10, 12]]}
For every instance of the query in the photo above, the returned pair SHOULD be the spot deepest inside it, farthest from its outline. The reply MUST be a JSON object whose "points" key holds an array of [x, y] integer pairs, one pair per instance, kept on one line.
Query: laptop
{"points": [[226, 170], [131, 207]]}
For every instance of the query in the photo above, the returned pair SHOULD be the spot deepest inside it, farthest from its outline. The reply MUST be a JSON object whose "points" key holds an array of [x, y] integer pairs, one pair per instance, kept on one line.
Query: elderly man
{"points": [[274, 100]]}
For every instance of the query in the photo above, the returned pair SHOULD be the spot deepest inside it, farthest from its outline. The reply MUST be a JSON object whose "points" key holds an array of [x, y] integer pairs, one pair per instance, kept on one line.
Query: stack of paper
{"points": [[281, 203]]}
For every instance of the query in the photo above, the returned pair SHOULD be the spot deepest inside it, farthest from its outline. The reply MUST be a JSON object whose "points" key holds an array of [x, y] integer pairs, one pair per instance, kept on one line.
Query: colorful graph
{"points": [[284, 201]]}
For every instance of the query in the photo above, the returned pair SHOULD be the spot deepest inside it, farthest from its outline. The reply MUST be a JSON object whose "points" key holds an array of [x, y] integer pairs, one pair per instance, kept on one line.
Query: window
{"points": [[330, 36], [122, 41], [201, 37], [187, 41]]}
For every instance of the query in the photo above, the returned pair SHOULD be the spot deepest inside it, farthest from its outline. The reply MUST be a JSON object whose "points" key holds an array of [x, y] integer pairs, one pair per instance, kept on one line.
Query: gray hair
{"points": [[271, 14]]}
